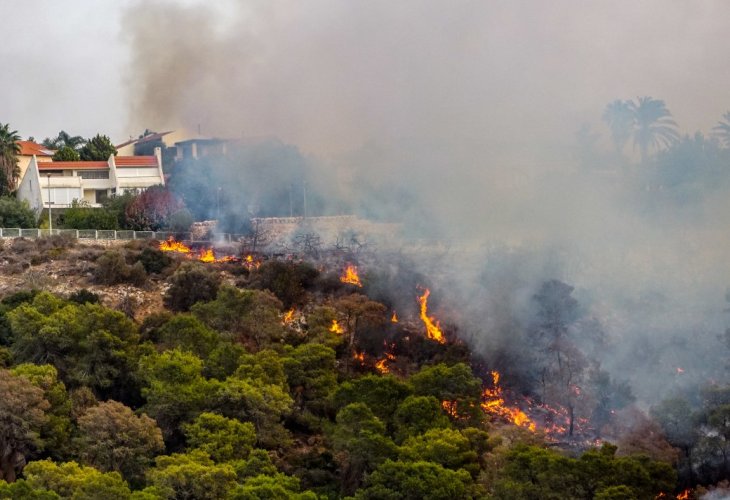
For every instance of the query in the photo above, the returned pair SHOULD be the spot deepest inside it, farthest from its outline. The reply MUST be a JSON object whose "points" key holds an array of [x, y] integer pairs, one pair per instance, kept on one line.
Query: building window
{"points": [[94, 174]]}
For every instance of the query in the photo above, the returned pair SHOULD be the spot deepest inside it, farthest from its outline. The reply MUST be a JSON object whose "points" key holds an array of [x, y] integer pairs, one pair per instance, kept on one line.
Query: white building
{"points": [[89, 181]]}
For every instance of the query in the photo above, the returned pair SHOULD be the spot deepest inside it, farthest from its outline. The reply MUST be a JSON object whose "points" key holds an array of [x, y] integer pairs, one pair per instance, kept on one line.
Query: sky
{"points": [[330, 76]]}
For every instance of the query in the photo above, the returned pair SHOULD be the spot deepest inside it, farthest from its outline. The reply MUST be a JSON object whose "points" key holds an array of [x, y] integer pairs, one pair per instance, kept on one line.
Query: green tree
{"points": [[70, 480], [23, 415], [174, 389], [87, 343], [191, 283], [56, 432], [416, 415], [16, 213], [446, 447], [98, 148], [360, 444], [64, 139], [416, 481], [188, 333], [382, 394], [455, 384], [113, 438], [9, 151], [289, 281], [66, 153], [310, 372], [192, 476], [223, 439], [653, 125], [277, 486], [244, 314]]}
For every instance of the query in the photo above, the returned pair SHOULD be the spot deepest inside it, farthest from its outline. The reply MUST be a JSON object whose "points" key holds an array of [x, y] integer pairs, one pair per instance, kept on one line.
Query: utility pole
{"points": [[304, 185], [50, 219]]}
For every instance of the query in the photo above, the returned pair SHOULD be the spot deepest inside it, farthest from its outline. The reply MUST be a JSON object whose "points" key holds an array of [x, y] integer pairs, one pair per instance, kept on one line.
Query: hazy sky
{"points": [[329, 75]]}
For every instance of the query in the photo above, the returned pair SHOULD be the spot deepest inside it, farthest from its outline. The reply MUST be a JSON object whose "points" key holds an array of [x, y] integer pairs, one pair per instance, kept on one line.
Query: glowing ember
{"points": [[288, 317], [450, 408], [250, 263], [494, 404], [680, 370], [359, 356], [433, 329], [336, 328], [381, 365], [685, 495], [350, 276], [174, 246], [394, 318]]}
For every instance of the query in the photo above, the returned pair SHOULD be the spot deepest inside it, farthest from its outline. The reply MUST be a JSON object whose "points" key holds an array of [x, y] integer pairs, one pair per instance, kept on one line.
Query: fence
{"points": [[110, 234]]}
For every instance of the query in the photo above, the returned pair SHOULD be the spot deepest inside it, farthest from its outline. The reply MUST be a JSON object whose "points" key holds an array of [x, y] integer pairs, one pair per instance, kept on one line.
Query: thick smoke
{"points": [[460, 119]]}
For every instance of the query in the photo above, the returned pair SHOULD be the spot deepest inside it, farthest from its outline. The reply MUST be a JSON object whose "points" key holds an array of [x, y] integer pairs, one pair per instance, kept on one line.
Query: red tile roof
{"points": [[119, 161], [71, 165], [30, 148], [135, 161]]}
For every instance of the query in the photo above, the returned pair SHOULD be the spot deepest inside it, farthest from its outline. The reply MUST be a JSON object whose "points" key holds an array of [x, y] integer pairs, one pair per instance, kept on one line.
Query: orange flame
{"points": [[381, 365], [350, 276], [685, 495], [394, 318], [206, 255], [494, 404], [250, 263], [359, 356], [288, 317], [336, 328], [450, 408], [433, 329], [174, 246]]}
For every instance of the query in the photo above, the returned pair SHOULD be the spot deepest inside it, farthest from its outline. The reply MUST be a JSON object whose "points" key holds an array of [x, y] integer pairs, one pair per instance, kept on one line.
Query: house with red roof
{"points": [[29, 149], [62, 182]]}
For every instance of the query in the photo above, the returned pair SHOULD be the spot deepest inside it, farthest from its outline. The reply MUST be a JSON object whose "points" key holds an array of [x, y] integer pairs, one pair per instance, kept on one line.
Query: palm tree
{"points": [[9, 151], [722, 129], [64, 139], [620, 120], [653, 125]]}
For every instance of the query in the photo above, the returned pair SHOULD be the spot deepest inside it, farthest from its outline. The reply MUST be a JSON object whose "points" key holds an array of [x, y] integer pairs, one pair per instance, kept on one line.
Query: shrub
{"points": [[154, 260], [82, 216], [16, 213], [111, 269], [191, 283], [287, 280], [84, 296]]}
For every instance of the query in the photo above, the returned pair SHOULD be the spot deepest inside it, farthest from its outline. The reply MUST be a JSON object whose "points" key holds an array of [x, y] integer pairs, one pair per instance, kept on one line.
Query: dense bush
{"points": [[154, 260], [289, 281], [191, 283], [82, 216], [15, 213], [111, 269]]}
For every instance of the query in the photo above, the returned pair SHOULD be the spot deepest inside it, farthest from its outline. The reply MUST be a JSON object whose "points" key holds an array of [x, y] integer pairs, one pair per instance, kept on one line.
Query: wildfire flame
{"points": [[394, 318], [382, 366], [288, 317], [250, 263], [206, 255], [359, 356], [336, 328], [685, 495], [433, 329], [494, 404], [174, 246], [450, 408], [350, 276]]}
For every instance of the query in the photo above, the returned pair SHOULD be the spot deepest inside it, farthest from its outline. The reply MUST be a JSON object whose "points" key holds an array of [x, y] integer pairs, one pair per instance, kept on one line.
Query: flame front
{"points": [[171, 245], [336, 328], [494, 404], [433, 329], [685, 495], [394, 318], [382, 366], [350, 276]]}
